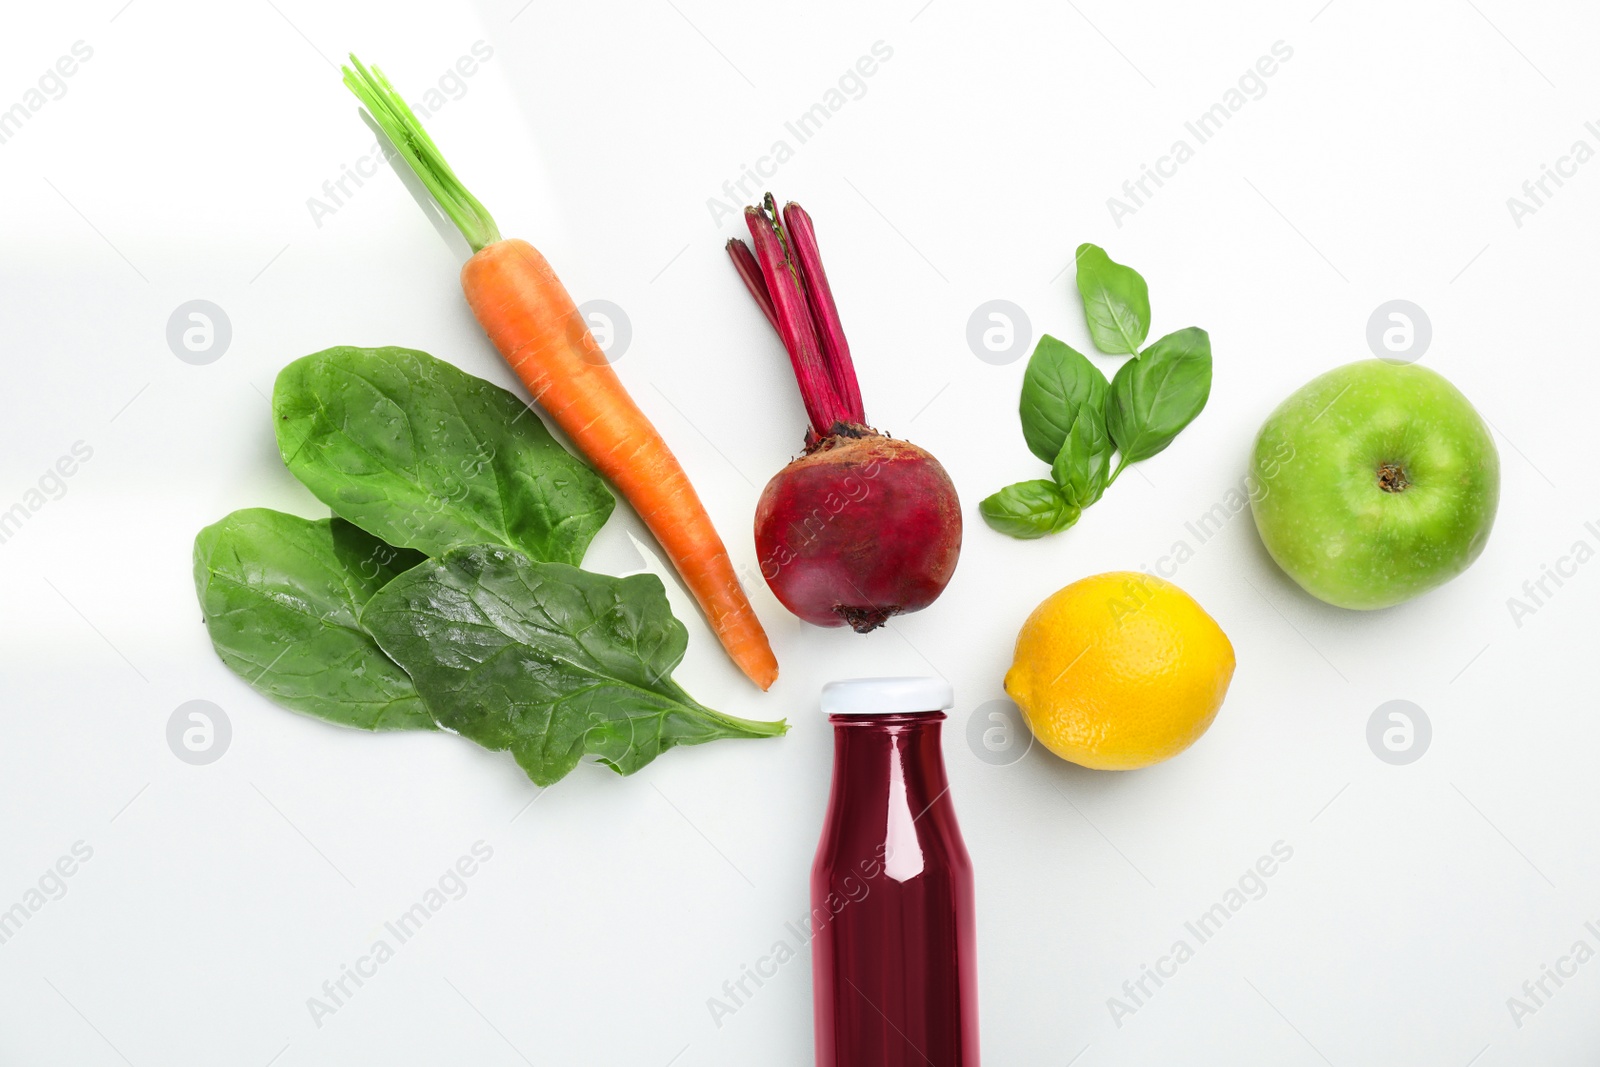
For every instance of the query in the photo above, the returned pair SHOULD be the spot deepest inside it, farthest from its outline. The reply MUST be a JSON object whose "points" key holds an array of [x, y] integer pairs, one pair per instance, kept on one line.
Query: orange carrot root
{"points": [[536, 327]]}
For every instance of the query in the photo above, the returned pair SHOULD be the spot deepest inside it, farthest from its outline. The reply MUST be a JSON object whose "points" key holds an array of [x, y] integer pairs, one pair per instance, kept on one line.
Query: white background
{"points": [[1377, 165]]}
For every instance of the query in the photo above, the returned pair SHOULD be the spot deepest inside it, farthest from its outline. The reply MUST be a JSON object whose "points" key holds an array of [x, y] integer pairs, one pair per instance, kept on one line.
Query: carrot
{"points": [[535, 325]]}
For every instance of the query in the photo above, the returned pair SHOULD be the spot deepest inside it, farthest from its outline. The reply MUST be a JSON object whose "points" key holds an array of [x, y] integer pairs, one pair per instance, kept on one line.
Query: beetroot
{"points": [[862, 526]]}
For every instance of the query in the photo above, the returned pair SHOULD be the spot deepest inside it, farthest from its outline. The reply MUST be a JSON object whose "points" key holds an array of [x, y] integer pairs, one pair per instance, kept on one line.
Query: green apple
{"points": [[1375, 482]]}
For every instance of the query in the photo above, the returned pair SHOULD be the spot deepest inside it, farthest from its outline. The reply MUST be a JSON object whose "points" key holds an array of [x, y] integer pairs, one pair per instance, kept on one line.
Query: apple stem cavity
{"points": [[1392, 478]]}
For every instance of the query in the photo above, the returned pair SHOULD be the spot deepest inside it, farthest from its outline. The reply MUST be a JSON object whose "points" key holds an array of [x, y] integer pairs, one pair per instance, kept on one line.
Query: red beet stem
{"points": [[744, 261], [824, 313], [793, 313]]}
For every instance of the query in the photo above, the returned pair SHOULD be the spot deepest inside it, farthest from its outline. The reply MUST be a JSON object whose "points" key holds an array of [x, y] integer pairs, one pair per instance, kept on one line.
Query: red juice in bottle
{"points": [[894, 949]]}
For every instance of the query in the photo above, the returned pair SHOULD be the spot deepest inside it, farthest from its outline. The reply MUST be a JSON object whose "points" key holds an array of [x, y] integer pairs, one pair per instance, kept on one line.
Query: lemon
{"points": [[1120, 670]]}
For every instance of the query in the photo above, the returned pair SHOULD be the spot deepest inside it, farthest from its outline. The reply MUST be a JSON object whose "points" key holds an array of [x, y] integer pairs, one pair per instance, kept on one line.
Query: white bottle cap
{"points": [[886, 696]]}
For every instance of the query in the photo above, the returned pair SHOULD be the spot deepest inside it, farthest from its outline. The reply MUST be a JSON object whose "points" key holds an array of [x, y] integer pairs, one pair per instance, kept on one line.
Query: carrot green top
{"points": [[390, 111]]}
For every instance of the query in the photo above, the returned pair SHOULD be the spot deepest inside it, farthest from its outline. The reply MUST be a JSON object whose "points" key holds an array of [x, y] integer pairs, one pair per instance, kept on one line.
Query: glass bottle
{"points": [[894, 949]]}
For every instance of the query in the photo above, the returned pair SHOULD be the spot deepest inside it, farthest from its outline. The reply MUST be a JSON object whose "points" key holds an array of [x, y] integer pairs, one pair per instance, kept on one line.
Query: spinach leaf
{"points": [[1158, 394], [1084, 463], [546, 660], [423, 455], [1116, 302], [1058, 381], [1029, 509], [281, 596]]}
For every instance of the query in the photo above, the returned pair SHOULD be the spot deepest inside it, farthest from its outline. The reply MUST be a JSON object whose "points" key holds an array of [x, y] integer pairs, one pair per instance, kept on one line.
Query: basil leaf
{"points": [[546, 660], [1029, 509], [282, 595], [1084, 463], [1116, 302], [423, 455], [1158, 394], [1058, 381]]}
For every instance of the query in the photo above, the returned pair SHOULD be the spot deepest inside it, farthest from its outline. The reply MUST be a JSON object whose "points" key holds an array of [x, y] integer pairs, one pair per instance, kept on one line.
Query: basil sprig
{"points": [[1073, 419]]}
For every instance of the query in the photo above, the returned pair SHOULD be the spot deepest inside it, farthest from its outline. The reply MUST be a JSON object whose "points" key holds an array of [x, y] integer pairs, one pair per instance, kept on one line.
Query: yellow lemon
{"points": [[1119, 671]]}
